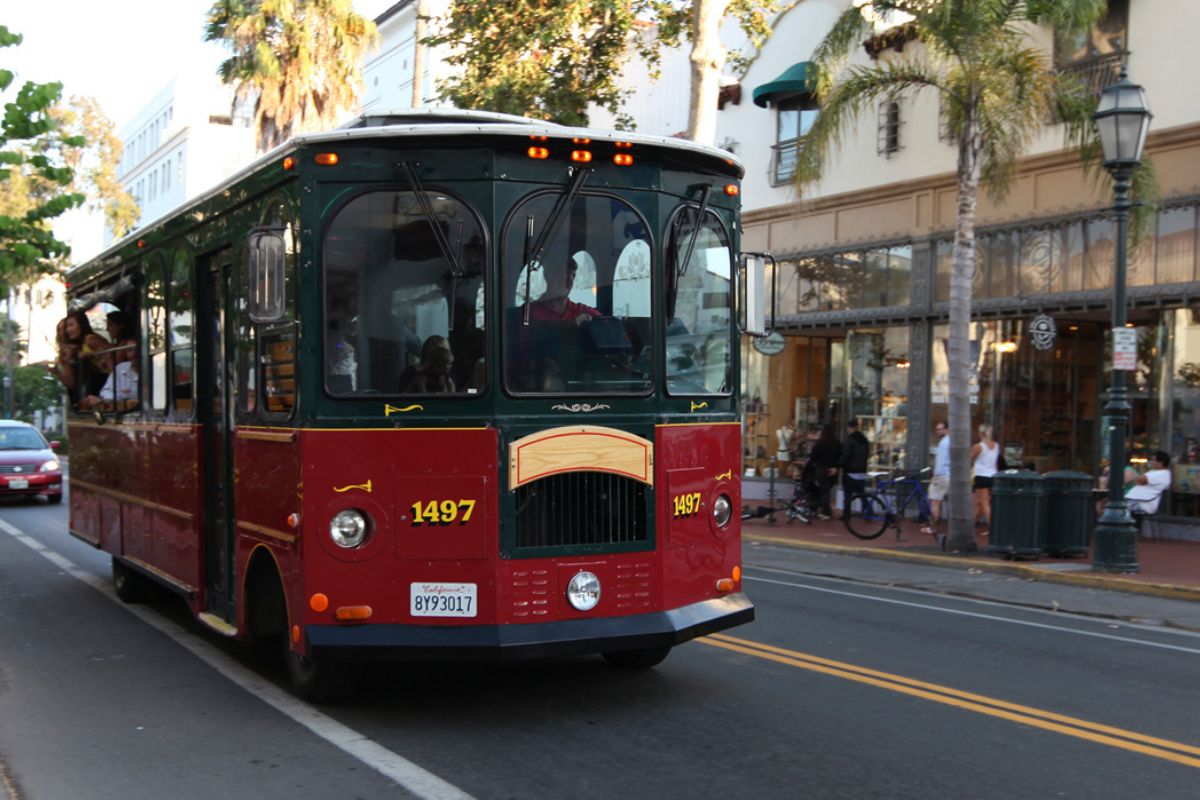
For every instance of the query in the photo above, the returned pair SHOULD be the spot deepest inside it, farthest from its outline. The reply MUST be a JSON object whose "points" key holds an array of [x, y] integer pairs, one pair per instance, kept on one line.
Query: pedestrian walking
{"points": [[940, 485], [856, 452], [826, 456], [985, 461]]}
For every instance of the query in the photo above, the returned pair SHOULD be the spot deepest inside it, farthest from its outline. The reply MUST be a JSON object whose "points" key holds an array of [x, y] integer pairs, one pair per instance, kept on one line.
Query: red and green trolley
{"points": [[433, 385]]}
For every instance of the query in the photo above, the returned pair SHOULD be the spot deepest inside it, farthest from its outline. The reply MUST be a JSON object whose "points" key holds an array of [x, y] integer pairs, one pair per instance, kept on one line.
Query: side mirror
{"points": [[55, 445], [754, 298]]}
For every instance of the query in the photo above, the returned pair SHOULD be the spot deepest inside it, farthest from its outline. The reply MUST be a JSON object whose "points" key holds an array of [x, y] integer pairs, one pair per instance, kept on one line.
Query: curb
{"points": [[1092, 581]]}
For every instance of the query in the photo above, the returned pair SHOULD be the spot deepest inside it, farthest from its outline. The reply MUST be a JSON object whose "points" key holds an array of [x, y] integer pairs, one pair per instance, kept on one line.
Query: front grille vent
{"points": [[581, 508], [12, 469]]}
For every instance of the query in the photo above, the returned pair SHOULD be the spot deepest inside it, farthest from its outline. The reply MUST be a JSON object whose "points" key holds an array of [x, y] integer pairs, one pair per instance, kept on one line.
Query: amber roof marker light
{"points": [[539, 152], [623, 159], [326, 159], [581, 156], [288, 163]]}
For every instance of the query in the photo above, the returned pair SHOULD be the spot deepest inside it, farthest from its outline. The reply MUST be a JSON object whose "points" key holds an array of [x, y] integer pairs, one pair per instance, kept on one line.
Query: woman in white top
{"points": [[985, 458]]}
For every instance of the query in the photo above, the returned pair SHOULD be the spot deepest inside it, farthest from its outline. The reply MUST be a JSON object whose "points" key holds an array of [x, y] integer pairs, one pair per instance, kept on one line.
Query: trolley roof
{"points": [[439, 122]]}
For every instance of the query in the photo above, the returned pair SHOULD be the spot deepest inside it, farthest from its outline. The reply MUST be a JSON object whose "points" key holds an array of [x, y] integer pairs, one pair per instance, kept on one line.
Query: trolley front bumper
{"points": [[536, 640]]}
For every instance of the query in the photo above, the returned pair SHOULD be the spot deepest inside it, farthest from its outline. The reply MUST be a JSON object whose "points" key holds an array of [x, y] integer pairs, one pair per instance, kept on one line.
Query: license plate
{"points": [[18, 483], [442, 599]]}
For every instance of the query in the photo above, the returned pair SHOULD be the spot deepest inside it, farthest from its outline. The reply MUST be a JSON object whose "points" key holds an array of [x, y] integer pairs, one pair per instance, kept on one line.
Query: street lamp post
{"points": [[1122, 119]]}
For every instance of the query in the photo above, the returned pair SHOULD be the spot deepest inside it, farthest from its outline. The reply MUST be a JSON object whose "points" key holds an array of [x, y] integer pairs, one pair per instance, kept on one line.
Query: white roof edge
{"points": [[500, 124]]}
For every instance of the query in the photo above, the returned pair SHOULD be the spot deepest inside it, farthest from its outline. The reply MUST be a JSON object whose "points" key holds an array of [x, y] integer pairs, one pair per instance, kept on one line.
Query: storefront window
{"points": [[1177, 245], [875, 391], [1098, 274], [1182, 408], [900, 275], [783, 393]]}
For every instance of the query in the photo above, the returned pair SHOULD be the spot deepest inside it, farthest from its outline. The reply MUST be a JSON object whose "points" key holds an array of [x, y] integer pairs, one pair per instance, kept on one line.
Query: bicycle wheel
{"points": [[866, 516]]}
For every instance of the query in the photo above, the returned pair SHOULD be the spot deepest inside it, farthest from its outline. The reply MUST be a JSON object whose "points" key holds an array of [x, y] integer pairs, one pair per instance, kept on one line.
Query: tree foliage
{"points": [[95, 164], [551, 59], [996, 94], [544, 59], [35, 183], [298, 59]]}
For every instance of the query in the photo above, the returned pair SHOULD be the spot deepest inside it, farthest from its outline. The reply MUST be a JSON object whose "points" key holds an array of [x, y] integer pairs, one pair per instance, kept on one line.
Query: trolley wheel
{"points": [[320, 678], [866, 516], [636, 659], [129, 584]]}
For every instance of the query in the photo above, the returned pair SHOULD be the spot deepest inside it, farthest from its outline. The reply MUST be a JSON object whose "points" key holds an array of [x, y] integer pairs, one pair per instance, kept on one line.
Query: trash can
{"points": [[1070, 513], [1018, 527]]}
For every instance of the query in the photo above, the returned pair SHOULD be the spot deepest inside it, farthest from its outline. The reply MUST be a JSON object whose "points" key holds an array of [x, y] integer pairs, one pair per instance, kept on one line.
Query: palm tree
{"points": [[298, 59], [996, 95]]}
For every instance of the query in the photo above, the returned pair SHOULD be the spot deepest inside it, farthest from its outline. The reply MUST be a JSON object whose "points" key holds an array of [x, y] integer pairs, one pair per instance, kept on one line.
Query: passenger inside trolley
{"points": [[432, 374], [79, 367]]}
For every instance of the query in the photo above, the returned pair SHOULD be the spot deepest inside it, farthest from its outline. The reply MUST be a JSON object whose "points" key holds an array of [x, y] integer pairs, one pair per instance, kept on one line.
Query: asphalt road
{"points": [[838, 690]]}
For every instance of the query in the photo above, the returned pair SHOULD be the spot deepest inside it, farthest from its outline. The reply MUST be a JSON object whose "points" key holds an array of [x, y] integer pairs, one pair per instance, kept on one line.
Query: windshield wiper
{"points": [[414, 181], [687, 254], [535, 247], [681, 268]]}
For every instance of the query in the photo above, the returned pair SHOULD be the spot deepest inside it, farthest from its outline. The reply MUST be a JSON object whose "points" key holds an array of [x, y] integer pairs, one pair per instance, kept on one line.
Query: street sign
{"points": [[771, 345], [1125, 348]]}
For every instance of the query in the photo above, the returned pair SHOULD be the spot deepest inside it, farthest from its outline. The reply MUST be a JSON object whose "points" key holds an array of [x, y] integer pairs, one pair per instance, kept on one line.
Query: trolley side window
{"points": [[404, 289], [699, 334], [180, 321], [99, 350], [156, 331], [270, 312]]}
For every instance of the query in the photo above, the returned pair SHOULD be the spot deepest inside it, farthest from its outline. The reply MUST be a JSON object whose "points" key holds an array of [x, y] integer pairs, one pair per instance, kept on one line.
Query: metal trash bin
{"points": [[1070, 513], [1018, 525]]}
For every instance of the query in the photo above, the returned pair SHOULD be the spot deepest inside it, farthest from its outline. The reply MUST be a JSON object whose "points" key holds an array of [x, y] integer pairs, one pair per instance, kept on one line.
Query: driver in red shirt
{"points": [[555, 305]]}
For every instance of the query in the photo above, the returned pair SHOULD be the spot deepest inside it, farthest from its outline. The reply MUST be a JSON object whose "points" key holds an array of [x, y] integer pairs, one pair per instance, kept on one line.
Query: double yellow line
{"points": [[1025, 715]]}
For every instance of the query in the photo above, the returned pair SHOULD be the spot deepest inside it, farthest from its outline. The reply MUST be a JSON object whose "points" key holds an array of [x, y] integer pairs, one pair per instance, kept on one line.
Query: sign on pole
{"points": [[1125, 348]]}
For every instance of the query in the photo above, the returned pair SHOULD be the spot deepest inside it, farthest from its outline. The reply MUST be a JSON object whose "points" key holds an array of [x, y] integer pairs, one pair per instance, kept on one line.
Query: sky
{"points": [[120, 52]]}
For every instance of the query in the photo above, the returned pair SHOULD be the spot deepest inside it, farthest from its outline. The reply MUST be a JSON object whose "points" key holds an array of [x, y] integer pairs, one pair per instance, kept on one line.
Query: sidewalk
{"points": [[1169, 568]]}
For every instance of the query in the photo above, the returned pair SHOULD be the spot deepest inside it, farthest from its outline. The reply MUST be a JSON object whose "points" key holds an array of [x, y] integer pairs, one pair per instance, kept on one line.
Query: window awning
{"points": [[794, 81]]}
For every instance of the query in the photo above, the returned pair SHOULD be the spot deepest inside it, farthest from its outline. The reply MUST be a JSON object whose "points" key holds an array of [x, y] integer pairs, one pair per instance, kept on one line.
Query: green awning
{"points": [[793, 82]]}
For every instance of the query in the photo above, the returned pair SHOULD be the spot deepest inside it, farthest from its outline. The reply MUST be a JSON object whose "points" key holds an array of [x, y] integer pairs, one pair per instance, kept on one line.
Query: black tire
{"points": [[53, 499], [320, 678], [130, 585], [637, 659], [866, 516]]}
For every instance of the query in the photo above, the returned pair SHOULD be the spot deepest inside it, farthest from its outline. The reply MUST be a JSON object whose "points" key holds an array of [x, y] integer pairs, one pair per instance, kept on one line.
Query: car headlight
{"points": [[51, 466], [583, 591], [722, 511], [348, 528]]}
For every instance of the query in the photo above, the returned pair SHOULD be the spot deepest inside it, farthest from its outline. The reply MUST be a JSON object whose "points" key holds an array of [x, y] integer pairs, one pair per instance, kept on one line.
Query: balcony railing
{"points": [[1097, 72], [783, 161]]}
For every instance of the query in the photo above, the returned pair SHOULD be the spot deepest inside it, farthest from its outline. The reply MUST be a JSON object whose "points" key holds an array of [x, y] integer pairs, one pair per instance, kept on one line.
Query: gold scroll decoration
{"points": [[580, 448]]}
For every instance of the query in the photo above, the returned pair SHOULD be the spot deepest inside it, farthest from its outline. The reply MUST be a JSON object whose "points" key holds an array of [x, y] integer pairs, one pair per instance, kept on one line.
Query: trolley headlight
{"points": [[583, 591], [348, 528], [51, 466], [722, 511]]}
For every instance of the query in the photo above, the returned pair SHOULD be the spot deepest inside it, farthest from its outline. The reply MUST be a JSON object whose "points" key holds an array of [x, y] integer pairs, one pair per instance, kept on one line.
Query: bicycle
{"points": [[870, 513], [801, 506]]}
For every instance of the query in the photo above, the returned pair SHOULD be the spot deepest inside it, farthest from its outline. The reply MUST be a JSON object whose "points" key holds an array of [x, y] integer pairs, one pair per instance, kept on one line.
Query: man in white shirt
{"points": [[940, 485], [1148, 487]]}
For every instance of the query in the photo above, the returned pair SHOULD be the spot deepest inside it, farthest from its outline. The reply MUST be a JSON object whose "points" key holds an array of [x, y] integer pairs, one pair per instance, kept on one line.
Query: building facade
{"points": [[865, 264], [185, 140]]}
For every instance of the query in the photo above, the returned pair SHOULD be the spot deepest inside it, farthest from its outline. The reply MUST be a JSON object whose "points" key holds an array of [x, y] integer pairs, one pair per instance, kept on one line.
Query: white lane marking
{"points": [[419, 781], [976, 615]]}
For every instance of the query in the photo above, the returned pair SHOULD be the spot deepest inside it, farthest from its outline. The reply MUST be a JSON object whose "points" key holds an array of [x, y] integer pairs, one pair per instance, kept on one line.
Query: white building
{"points": [[388, 71], [182, 142]]}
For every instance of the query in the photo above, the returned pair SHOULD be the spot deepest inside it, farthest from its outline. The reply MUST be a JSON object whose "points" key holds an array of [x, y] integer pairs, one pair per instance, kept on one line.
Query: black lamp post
{"points": [[1122, 119]]}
